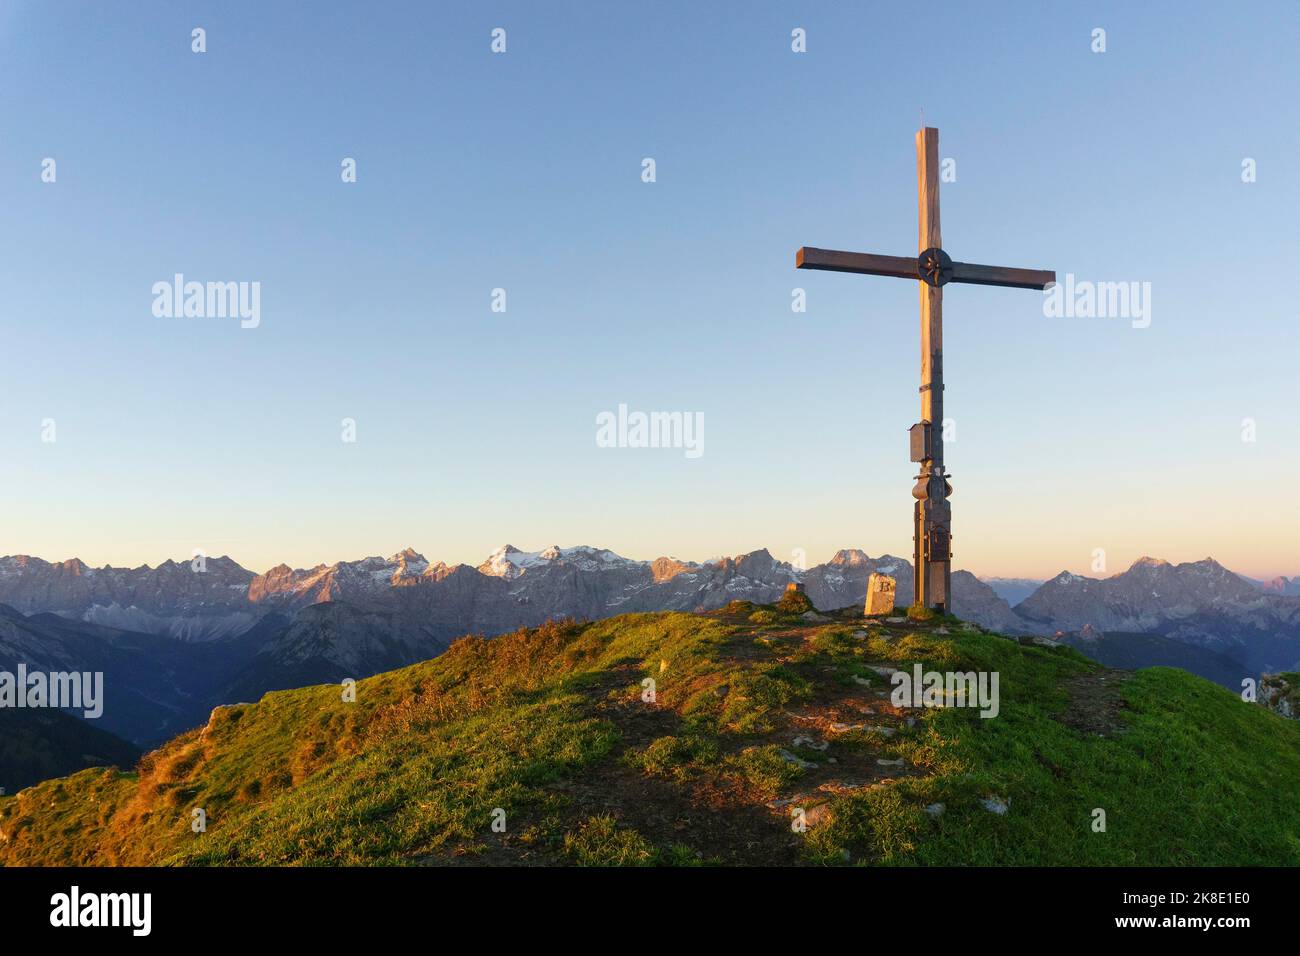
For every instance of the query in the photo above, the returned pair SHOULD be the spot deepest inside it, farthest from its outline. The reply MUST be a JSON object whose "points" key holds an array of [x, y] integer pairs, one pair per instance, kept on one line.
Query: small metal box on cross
{"points": [[933, 268]]}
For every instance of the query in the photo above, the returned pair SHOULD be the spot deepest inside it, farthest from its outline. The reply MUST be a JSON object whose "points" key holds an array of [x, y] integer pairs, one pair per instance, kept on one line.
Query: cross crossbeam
{"points": [[906, 267], [933, 269]]}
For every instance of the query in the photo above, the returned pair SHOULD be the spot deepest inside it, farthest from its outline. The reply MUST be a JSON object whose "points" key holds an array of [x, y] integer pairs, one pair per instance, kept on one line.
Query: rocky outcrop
{"points": [[1280, 693]]}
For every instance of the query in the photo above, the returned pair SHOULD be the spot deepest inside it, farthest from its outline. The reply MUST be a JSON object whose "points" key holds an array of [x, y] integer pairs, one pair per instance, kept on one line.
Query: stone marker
{"points": [[880, 594]]}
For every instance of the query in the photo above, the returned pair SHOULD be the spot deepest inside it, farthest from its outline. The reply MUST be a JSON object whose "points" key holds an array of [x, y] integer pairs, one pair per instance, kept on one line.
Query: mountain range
{"points": [[1199, 603], [177, 640], [218, 598]]}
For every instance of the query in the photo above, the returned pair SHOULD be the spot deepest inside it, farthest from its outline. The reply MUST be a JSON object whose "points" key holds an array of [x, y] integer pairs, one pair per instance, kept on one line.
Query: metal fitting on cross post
{"points": [[927, 487], [934, 267]]}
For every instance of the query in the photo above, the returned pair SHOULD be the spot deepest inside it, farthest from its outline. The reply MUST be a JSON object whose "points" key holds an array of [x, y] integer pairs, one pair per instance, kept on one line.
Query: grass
{"points": [[550, 727]]}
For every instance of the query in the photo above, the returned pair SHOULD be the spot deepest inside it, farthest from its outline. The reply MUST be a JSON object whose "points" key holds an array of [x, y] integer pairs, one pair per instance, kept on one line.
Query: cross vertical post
{"points": [[932, 514]]}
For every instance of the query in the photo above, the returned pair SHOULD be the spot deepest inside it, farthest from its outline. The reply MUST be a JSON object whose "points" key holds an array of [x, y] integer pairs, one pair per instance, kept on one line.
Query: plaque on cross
{"points": [[933, 268]]}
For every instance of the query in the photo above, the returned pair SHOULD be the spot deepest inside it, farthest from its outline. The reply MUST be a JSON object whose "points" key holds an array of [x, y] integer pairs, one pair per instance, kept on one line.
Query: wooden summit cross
{"points": [[931, 513]]}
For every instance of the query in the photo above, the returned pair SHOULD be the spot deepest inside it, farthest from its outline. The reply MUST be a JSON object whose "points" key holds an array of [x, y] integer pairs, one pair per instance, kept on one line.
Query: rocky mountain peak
{"points": [[405, 565], [505, 562], [1069, 577], [889, 564], [436, 572], [665, 569], [850, 557], [754, 562], [1146, 562], [407, 556]]}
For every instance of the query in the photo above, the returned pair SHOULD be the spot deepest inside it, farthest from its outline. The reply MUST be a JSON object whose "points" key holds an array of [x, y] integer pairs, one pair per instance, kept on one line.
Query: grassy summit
{"points": [[757, 714]]}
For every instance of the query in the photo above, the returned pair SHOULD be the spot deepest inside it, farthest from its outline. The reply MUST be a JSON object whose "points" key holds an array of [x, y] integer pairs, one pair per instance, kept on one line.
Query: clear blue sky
{"points": [[523, 171]]}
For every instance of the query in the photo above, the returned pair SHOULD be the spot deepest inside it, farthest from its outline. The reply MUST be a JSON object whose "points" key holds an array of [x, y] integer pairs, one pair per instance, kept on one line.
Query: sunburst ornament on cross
{"points": [[933, 268]]}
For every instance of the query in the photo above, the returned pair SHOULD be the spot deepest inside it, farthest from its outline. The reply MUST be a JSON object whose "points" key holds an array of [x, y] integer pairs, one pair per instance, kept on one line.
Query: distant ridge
{"points": [[288, 626]]}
